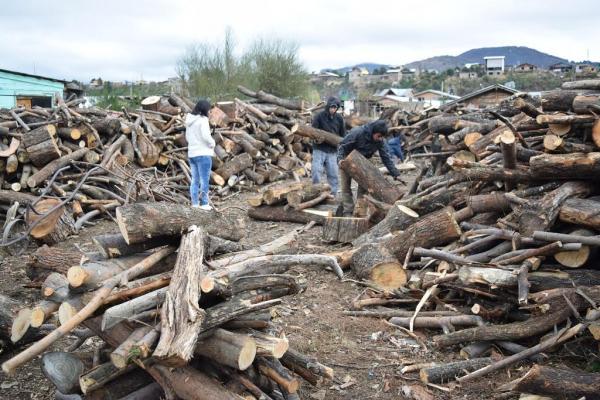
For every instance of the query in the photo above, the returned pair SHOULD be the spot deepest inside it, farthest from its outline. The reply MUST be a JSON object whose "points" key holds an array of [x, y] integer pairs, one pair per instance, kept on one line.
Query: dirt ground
{"points": [[366, 354]]}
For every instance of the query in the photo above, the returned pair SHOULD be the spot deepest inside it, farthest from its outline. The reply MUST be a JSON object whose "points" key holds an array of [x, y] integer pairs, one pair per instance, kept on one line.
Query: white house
{"points": [[494, 65]]}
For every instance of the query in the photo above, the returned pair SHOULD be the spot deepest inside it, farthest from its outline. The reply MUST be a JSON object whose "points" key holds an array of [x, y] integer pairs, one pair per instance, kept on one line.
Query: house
{"points": [[434, 98], [470, 65], [494, 65], [96, 83], [560, 68], [525, 67], [487, 97], [394, 74], [357, 73], [407, 93], [467, 75], [27, 90], [586, 69]]}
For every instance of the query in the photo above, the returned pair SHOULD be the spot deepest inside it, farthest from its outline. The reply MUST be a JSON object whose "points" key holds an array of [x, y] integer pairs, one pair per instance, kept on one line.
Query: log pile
{"points": [[67, 165], [495, 243], [182, 311]]}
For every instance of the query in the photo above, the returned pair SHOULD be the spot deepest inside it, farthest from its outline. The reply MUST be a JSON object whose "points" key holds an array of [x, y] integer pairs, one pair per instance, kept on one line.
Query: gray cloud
{"points": [[125, 40]]}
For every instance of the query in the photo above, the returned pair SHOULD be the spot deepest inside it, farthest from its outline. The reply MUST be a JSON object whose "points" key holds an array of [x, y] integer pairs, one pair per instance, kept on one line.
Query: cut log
{"points": [[344, 229], [181, 318], [398, 217], [140, 221], [114, 245], [51, 167], [583, 84], [234, 166], [306, 366], [15, 322], [63, 370], [566, 166], [583, 212], [42, 312], [282, 214], [55, 287], [369, 178], [272, 368], [306, 193], [93, 273], [231, 349], [584, 103], [550, 381], [51, 228], [69, 133], [120, 357], [447, 372], [508, 145], [108, 126], [122, 312], [445, 323], [575, 258], [276, 194], [41, 145], [272, 99], [318, 135], [52, 259], [381, 262], [558, 100]]}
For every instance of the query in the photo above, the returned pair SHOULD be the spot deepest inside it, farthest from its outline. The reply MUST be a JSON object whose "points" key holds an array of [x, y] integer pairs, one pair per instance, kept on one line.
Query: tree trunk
{"points": [[281, 214], [41, 145], [308, 192], [562, 382], [558, 100], [447, 372], [181, 318], [272, 99], [318, 135], [114, 245], [50, 168], [52, 259], [63, 370], [92, 273], [369, 178], [140, 221], [397, 218], [344, 229], [583, 212], [583, 84], [581, 104], [276, 194], [566, 166]]}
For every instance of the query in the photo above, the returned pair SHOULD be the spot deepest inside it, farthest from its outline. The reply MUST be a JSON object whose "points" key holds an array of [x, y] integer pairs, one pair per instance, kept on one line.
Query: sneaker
{"points": [[206, 207], [195, 205]]}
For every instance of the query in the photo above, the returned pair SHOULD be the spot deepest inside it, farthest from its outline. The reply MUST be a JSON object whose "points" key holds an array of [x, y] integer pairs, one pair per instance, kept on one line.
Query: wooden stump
{"points": [[344, 229], [41, 145], [575, 258], [370, 178]]}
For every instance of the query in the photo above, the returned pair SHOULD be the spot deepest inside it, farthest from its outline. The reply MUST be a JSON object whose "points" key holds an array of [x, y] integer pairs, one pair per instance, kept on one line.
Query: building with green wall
{"points": [[17, 88]]}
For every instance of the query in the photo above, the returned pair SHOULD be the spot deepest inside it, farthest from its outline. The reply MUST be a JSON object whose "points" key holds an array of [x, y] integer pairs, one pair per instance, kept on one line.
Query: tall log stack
{"points": [[496, 240], [159, 319]]}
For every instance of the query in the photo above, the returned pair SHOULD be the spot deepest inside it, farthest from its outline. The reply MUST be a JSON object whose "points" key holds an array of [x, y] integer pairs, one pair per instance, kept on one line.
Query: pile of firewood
{"points": [[67, 165], [174, 318], [495, 243]]}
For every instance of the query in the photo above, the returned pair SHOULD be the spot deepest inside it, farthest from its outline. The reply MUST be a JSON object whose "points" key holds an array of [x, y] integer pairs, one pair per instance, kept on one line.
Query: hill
{"points": [[514, 55]]}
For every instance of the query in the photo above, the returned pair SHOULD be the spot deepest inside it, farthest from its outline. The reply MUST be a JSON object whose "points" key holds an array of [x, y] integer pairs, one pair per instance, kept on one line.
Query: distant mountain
{"points": [[515, 55], [369, 66]]}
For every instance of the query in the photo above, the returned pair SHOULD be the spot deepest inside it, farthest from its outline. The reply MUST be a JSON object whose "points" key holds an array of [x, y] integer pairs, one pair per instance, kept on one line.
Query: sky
{"points": [[131, 40]]}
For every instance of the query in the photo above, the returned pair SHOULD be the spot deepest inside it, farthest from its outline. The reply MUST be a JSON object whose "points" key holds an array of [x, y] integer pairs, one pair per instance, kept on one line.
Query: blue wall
{"points": [[13, 85]]}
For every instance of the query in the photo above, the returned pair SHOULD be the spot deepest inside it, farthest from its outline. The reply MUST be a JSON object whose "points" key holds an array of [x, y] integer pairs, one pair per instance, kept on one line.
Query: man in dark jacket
{"points": [[324, 155], [366, 139]]}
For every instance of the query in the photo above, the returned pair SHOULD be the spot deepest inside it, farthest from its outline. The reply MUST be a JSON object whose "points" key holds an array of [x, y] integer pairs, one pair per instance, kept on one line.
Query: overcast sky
{"points": [[127, 40]]}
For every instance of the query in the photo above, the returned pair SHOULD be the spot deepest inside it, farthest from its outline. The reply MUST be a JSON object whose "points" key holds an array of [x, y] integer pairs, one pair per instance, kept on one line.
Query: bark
{"points": [[51, 228], [508, 145], [558, 100], [398, 217], [140, 221], [281, 214], [273, 369], [308, 192], [344, 229], [446, 323], [318, 135], [370, 178], [124, 311], [52, 259], [566, 383], [447, 372], [40, 145], [583, 212]]}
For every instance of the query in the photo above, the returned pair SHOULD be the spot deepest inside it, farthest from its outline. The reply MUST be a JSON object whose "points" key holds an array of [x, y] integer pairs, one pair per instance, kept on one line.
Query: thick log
{"points": [[398, 217], [122, 312], [52, 259], [42, 312], [69, 133], [508, 145], [583, 212], [370, 178], [50, 168], [583, 104], [108, 126], [447, 372], [272, 368], [92, 273], [120, 357], [15, 322], [51, 228], [276, 194], [10, 196], [140, 221], [181, 318], [583, 84], [55, 287], [564, 382], [540, 215], [344, 229], [575, 258], [231, 349], [272, 99], [114, 245], [234, 166], [283, 214], [63, 370], [558, 100], [318, 135], [446, 323], [41, 145], [306, 193]]}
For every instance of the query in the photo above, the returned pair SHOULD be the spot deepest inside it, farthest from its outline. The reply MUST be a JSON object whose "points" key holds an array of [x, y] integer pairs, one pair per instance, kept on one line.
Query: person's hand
{"points": [[398, 179]]}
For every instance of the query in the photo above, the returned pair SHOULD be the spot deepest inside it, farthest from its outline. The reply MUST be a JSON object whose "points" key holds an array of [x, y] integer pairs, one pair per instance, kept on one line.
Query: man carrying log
{"points": [[366, 139], [324, 154]]}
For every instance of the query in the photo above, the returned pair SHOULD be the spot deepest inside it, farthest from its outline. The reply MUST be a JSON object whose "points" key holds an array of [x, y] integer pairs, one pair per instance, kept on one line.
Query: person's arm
{"points": [[387, 160], [205, 133], [346, 146], [316, 122], [342, 131]]}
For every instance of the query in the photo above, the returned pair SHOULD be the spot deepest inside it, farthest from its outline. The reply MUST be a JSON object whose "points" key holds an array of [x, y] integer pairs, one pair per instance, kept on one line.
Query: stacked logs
{"points": [[68, 164], [181, 307], [495, 242]]}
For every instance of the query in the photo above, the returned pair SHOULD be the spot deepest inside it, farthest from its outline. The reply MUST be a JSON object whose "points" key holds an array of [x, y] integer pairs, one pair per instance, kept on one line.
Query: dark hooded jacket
{"points": [[361, 140], [330, 123]]}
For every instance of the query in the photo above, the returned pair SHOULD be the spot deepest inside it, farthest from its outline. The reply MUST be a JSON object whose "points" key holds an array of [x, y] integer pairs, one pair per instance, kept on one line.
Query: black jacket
{"points": [[361, 140], [330, 123]]}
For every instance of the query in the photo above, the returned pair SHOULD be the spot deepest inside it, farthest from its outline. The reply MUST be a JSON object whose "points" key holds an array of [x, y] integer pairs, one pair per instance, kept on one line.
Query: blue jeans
{"points": [[396, 148], [200, 167], [328, 161]]}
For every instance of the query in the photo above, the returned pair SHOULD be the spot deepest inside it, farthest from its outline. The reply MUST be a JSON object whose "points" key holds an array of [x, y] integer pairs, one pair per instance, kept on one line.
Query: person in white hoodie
{"points": [[200, 151]]}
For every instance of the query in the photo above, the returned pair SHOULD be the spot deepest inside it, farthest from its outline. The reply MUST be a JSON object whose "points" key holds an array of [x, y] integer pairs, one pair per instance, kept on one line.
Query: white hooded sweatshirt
{"points": [[197, 134]]}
